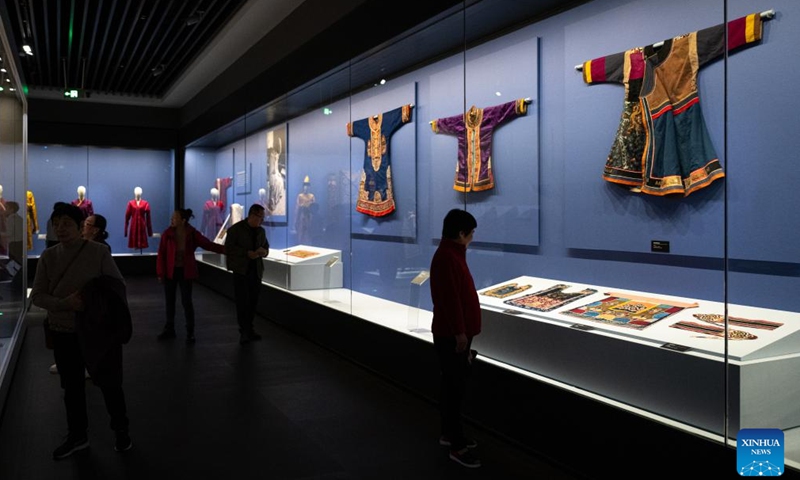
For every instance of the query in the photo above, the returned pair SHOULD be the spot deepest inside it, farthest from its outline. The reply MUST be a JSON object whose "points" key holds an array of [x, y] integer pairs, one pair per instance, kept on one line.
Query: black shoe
{"points": [[123, 443], [70, 446], [190, 339], [244, 338], [465, 457], [254, 336], [167, 334], [469, 442]]}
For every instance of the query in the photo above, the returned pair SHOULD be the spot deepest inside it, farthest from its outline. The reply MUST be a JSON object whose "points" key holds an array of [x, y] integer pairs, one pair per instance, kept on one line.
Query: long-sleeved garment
{"points": [[87, 209], [33, 221], [212, 218], [50, 293], [168, 250], [662, 144], [137, 217], [456, 308], [375, 191], [474, 131]]}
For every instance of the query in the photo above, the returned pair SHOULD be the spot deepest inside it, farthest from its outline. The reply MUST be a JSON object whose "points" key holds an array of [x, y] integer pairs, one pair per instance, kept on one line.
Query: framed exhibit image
{"points": [[276, 176]]}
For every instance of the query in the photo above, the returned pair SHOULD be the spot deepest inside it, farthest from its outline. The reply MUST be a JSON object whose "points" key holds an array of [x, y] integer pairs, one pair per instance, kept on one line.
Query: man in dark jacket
{"points": [[246, 246], [456, 320]]}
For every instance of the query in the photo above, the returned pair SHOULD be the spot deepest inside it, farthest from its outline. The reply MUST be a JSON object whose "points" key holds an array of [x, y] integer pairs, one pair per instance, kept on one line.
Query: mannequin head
{"points": [[306, 183], [262, 193], [137, 193], [214, 194], [81, 192]]}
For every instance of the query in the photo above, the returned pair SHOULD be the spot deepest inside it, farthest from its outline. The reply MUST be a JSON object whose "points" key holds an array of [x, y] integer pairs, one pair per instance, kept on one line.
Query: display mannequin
{"points": [[137, 215], [33, 222], [212, 215], [83, 203], [304, 213]]}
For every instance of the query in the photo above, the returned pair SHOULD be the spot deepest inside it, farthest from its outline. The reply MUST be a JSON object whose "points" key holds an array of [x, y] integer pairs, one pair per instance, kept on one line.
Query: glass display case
{"points": [[615, 154], [132, 188], [17, 211]]}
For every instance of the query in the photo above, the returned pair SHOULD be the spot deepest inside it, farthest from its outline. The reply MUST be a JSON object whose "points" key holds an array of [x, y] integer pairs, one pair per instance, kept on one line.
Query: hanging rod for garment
{"points": [[376, 116], [527, 100], [766, 15]]}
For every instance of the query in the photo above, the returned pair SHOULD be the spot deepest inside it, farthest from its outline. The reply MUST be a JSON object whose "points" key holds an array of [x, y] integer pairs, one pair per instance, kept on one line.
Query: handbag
{"points": [[48, 334]]}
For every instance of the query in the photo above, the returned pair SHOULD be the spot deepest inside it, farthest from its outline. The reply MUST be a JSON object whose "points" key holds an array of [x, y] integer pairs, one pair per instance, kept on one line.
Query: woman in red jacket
{"points": [[177, 267]]}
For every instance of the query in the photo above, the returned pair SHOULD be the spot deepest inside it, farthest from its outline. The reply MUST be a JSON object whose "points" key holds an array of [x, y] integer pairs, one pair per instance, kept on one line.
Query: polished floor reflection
{"points": [[280, 408]]}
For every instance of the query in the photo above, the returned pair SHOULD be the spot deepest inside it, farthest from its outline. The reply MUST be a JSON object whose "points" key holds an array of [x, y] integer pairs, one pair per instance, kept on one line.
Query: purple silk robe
{"points": [[474, 131]]}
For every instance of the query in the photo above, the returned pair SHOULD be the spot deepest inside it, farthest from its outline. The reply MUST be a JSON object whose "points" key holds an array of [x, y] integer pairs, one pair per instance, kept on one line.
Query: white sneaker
{"points": [[54, 369]]}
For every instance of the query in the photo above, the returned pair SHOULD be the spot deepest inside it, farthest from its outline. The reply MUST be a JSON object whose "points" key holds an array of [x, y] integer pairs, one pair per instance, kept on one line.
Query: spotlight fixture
{"points": [[158, 70], [27, 49]]}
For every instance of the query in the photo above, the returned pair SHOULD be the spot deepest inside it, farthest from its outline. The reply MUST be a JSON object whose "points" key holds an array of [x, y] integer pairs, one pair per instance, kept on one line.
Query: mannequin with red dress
{"points": [[212, 215], [83, 203], [137, 216]]}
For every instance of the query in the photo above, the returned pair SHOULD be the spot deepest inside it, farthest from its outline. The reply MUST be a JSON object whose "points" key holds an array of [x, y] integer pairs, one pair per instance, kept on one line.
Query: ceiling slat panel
{"points": [[112, 46], [111, 63]]}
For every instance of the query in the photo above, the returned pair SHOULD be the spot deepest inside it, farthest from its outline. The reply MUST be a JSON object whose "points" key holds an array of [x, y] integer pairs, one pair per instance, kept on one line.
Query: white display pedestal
{"points": [[670, 372], [303, 267]]}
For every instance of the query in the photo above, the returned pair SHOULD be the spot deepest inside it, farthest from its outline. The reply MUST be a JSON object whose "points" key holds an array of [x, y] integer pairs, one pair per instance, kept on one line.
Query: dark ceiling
{"points": [[117, 47]]}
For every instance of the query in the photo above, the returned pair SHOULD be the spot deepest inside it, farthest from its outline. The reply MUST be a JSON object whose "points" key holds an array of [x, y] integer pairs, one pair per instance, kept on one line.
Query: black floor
{"points": [[282, 408]]}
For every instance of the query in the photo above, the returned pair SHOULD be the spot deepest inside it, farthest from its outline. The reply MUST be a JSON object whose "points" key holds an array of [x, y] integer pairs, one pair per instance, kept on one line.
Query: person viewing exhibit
{"points": [[176, 267]]}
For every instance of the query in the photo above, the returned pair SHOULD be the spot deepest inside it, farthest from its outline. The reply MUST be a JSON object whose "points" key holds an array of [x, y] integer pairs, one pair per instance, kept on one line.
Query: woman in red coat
{"points": [[176, 266]]}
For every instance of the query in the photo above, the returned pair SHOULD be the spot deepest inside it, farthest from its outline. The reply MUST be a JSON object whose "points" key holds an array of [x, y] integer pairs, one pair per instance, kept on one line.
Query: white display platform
{"points": [[675, 373], [304, 267]]}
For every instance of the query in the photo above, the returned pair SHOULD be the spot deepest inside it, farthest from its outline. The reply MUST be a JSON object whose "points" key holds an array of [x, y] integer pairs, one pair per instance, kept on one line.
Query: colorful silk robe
{"points": [[137, 216], [474, 131], [375, 193], [662, 144], [33, 222]]}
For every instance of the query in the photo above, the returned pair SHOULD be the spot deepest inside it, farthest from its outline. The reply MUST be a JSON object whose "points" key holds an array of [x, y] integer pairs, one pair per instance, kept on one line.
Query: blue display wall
{"points": [[551, 214], [110, 176]]}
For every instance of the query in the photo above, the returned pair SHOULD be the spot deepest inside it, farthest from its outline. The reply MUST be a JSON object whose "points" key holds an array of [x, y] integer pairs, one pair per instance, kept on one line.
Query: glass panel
{"points": [[396, 165], [618, 216], [763, 310], [17, 212], [583, 268], [55, 172], [209, 189], [90, 178]]}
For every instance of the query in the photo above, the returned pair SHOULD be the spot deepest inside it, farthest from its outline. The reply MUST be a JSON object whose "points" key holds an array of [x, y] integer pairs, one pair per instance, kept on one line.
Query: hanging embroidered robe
{"points": [[137, 216], [33, 222], [474, 131], [662, 144], [375, 193]]}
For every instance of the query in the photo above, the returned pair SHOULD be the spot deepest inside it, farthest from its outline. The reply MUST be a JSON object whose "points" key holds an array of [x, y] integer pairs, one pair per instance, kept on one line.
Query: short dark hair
{"points": [[457, 221], [61, 209], [255, 209]]}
